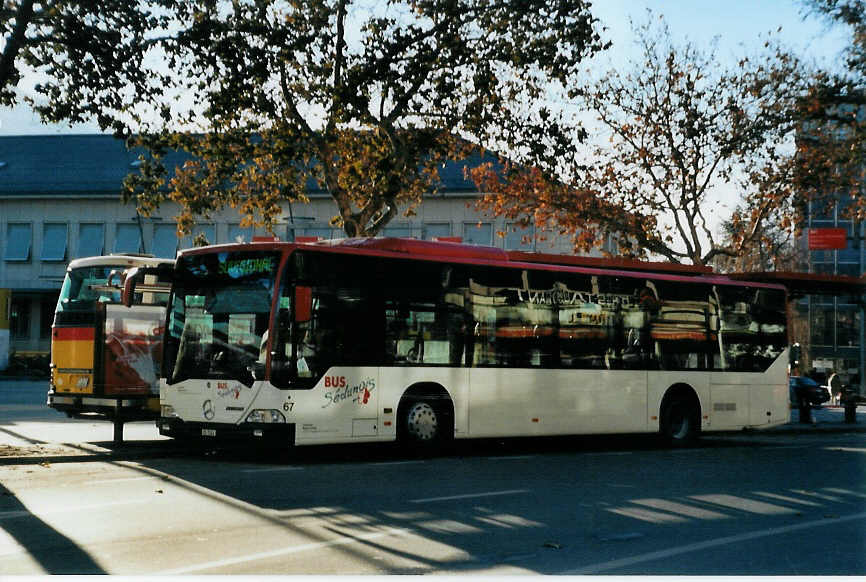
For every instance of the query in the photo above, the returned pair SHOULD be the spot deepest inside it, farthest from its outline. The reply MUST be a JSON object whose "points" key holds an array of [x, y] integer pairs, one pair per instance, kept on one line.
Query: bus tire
{"points": [[424, 424], [680, 421]]}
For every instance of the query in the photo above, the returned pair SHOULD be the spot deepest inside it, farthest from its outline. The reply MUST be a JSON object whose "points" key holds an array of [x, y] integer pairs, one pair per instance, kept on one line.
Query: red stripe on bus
{"points": [[74, 333]]}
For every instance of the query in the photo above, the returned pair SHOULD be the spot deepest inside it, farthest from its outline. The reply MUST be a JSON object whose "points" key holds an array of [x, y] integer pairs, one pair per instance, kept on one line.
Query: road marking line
{"points": [[342, 541], [272, 469], [845, 492], [817, 495], [510, 458], [389, 463], [661, 554], [470, 495], [787, 498]]}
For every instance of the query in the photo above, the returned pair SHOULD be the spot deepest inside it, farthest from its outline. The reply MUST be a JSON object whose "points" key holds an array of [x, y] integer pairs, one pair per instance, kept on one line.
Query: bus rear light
{"points": [[266, 416]]}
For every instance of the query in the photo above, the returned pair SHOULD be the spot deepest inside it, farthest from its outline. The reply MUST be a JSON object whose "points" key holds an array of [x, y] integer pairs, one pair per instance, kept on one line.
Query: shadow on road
{"points": [[53, 551]]}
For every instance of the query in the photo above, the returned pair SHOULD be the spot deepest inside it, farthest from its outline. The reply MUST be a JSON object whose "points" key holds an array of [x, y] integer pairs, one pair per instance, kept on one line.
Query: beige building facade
{"points": [[60, 200]]}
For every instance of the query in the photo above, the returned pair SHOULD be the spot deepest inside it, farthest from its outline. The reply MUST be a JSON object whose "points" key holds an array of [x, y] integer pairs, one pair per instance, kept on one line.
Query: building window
{"points": [[18, 242], [127, 239], [436, 230], [823, 261], [239, 234], [91, 240], [822, 322], [478, 234], [518, 238], [54, 242], [165, 241], [397, 231], [323, 233], [206, 231], [848, 326], [19, 318]]}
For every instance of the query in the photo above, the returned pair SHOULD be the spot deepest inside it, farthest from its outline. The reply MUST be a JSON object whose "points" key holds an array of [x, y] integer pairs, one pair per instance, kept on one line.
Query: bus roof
{"points": [[126, 260], [473, 254]]}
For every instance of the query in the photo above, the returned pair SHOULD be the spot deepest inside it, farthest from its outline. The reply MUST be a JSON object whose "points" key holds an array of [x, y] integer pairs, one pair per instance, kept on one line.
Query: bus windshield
{"points": [[218, 315], [81, 287]]}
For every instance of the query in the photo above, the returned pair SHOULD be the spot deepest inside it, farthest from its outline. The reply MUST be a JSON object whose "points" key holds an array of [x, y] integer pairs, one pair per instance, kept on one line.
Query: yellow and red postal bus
{"points": [[105, 356]]}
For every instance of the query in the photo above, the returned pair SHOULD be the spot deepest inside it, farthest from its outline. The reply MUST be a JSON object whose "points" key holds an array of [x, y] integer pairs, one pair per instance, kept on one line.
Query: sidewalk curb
{"points": [[812, 429], [82, 452]]}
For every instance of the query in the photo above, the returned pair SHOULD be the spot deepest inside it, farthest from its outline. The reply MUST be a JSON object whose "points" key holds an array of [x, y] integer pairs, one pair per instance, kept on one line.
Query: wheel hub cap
{"points": [[422, 423]]}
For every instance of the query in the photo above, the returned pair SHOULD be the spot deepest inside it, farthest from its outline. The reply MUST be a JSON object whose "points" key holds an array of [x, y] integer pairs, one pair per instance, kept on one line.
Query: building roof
{"points": [[95, 165], [63, 164]]}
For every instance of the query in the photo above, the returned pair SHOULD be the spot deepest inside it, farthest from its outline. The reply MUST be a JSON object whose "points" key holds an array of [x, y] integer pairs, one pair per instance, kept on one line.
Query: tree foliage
{"points": [[675, 132], [850, 13], [87, 55], [829, 168], [365, 102], [773, 249]]}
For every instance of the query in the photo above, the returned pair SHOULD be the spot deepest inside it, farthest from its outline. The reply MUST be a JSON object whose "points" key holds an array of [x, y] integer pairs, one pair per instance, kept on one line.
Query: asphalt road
{"points": [[754, 504]]}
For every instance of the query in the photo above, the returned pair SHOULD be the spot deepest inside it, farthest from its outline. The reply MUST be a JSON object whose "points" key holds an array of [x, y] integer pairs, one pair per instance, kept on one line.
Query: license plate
{"points": [[208, 432]]}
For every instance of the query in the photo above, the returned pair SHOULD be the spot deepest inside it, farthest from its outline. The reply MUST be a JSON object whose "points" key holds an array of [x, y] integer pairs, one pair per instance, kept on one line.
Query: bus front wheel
{"points": [[680, 422]]}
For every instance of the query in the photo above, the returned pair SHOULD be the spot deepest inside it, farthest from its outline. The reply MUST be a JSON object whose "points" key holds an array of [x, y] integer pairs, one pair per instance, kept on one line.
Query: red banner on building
{"points": [[828, 239]]}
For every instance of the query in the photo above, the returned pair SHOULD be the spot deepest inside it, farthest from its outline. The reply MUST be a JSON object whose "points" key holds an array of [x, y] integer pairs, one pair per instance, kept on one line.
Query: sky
{"points": [[738, 23]]}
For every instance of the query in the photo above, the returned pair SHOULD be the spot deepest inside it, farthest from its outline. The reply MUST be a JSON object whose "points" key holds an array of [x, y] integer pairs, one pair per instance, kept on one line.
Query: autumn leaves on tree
{"points": [[366, 100], [673, 133], [363, 101]]}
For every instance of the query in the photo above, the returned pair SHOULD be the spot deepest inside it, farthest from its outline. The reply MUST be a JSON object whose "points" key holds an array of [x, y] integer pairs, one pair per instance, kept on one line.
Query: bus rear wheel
{"points": [[680, 422], [425, 425], [422, 422]]}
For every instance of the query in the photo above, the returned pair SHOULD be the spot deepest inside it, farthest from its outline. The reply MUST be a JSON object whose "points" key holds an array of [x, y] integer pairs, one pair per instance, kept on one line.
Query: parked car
{"points": [[814, 393]]}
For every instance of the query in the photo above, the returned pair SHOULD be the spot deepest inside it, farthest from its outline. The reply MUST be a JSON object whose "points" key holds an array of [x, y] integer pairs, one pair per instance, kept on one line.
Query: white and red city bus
{"points": [[365, 340]]}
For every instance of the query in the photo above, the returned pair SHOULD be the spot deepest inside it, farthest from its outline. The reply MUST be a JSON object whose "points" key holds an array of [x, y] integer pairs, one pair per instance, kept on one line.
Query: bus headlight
{"points": [[82, 382], [266, 416], [167, 411]]}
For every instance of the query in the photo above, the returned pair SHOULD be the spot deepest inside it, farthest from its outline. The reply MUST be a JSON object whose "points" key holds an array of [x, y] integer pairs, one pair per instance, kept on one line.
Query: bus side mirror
{"points": [[140, 279], [129, 286], [303, 304]]}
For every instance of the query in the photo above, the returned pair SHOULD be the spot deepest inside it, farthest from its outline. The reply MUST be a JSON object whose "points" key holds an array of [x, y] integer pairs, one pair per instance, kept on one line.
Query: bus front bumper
{"points": [[270, 433]]}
